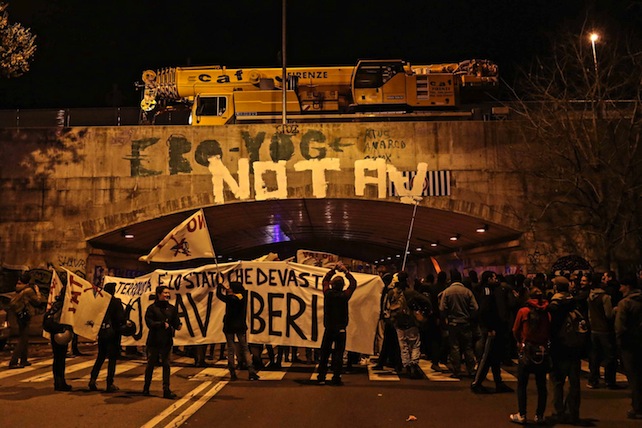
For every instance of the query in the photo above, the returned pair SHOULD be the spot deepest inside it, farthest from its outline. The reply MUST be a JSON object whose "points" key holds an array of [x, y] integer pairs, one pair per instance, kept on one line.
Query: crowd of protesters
{"points": [[547, 324]]}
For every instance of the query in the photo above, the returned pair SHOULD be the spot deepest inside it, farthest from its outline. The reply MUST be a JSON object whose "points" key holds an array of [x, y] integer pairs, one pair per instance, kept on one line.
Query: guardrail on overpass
{"points": [[70, 117]]}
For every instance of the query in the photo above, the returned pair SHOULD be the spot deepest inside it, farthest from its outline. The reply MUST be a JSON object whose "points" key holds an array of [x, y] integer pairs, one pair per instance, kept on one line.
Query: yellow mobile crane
{"points": [[217, 95]]}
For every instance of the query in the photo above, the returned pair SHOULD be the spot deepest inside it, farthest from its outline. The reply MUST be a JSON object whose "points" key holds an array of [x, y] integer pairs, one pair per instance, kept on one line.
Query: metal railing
{"points": [[70, 117]]}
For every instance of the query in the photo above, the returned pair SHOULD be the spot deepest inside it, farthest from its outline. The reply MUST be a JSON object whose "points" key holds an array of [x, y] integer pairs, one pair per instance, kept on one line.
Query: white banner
{"points": [[285, 304], [189, 240], [85, 306]]}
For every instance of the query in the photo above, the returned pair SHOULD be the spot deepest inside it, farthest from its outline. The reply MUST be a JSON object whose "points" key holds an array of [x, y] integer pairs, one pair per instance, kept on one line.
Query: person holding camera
{"points": [[335, 321], [162, 320]]}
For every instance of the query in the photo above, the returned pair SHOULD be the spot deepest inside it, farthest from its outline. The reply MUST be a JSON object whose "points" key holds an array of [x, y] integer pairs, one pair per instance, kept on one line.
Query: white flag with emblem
{"points": [[189, 240], [55, 287], [85, 306]]}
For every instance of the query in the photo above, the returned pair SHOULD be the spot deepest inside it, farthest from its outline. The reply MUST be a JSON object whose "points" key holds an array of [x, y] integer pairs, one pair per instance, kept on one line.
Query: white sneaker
{"points": [[518, 418]]}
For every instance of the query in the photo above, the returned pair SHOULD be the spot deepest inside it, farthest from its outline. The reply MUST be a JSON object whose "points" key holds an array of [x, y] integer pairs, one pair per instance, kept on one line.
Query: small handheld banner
{"points": [[85, 306]]}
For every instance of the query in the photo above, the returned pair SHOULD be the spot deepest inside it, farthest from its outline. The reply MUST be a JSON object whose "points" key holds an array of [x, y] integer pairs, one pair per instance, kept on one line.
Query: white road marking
{"points": [[187, 413], [32, 367], [120, 368], [175, 405], [381, 375], [69, 369], [158, 374]]}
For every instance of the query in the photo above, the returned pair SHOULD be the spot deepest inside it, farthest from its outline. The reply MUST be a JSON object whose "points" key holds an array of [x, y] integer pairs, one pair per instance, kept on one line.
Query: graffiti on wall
{"points": [[381, 143], [263, 174]]}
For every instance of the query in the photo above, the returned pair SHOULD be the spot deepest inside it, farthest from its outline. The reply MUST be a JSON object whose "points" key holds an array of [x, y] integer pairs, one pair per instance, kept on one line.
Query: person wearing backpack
{"points": [[628, 333], [25, 303], [403, 304], [567, 346], [532, 332]]}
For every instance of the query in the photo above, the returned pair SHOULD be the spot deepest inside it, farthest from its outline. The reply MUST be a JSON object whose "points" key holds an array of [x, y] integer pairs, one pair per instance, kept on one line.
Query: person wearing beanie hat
{"points": [[628, 333]]}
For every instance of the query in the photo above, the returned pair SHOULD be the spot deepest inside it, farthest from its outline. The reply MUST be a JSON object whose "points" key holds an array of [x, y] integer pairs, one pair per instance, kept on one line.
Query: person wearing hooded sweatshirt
{"points": [[628, 332], [532, 332], [235, 325], [601, 317], [567, 360]]}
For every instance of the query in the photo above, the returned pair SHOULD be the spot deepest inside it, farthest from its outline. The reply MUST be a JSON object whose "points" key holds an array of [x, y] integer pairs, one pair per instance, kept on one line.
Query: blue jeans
{"points": [[409, 343], [244, 351], [523, 373]]}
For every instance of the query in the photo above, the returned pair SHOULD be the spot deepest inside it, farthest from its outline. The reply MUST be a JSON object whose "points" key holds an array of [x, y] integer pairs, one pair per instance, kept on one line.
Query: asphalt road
{"points": [[286, 398]]}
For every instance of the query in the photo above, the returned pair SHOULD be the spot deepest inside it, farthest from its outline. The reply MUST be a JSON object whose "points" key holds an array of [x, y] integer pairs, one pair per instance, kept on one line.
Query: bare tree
{"points": [[17, 46], [581, 123]]}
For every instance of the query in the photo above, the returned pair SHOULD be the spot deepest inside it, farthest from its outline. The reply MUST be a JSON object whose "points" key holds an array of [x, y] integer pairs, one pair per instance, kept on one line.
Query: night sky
{"points": [[88, 48]]}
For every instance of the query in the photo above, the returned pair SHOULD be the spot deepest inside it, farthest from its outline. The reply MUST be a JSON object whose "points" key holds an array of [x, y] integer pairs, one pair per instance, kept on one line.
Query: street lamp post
{"points": [[284, 74], [594, 37]]}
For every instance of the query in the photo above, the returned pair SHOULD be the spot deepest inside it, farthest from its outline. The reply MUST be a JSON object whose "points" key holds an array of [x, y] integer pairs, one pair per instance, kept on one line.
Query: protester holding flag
{"points": [[187, 241], [109, 340], [162, 320], [235, 324]]}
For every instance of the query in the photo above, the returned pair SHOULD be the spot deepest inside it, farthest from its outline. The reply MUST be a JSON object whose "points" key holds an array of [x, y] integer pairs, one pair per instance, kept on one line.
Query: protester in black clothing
{"points": [[603, 348], [628, 332], [436, 330], [162, 320], [109, 340], [390, 354], [335, 321], [494, 335], [566, 356], [60, 336], [235, 325]]}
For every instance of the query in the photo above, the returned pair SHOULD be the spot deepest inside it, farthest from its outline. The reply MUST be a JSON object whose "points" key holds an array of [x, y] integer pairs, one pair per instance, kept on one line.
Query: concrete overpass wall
{"points": [[60, 187]]}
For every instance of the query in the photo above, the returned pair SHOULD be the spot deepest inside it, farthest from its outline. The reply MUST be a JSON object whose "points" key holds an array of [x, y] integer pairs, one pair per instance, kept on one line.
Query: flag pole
{"points": [[412, 223]]}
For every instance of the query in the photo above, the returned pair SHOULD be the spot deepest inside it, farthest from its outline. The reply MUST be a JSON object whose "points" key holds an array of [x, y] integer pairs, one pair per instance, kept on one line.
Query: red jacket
{"points": [[533, 328]]}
